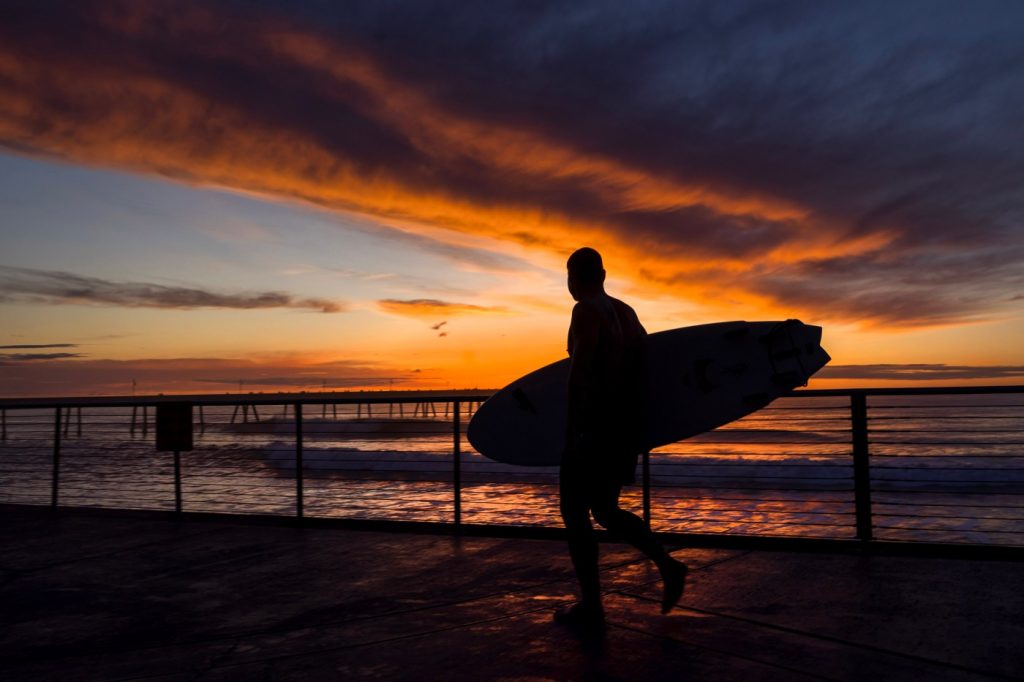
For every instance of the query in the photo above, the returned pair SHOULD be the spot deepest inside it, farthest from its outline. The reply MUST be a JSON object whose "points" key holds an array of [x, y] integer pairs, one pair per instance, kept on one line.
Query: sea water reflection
{"points": [[943, 468]]}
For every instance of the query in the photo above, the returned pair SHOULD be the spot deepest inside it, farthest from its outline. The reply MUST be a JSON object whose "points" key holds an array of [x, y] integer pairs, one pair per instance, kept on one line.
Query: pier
{"points": [[136, 597], [838, 535]]}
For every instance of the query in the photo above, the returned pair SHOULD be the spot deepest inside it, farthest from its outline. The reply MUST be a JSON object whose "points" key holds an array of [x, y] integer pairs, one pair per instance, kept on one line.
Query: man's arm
{"points": [[585, 333]]}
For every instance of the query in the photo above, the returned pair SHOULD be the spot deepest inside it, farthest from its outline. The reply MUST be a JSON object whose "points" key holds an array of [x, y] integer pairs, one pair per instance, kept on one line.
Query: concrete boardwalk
{"points": [[110, 598]]}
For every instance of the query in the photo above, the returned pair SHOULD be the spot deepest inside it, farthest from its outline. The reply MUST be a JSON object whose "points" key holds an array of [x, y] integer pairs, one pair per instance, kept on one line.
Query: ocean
{"points": [[943, 468]]}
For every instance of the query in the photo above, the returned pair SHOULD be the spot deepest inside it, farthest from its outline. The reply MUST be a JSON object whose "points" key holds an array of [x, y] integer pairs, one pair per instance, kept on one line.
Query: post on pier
{"points": [[646, 479], [174, 434], [861, 465], [77, 411], [299, 494], [55, 478], [457, 467]]}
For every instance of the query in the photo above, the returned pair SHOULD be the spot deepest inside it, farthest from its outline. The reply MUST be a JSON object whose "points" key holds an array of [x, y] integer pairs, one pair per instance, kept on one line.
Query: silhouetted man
{"points": [[604, 436]]}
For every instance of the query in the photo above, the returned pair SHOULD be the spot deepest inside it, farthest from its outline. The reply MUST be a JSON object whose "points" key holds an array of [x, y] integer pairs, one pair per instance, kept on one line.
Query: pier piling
{"points": [[177, 481], [55, 475], [861, 466], [298, 461]]}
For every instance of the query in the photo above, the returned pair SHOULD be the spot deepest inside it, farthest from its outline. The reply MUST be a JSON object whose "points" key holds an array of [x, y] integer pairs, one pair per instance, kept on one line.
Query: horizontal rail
{"points": [[411, 397], [232, 399]]}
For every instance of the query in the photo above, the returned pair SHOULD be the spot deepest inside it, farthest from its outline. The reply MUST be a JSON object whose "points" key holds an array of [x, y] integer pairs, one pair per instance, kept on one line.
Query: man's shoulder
{"points": [[627, 315], [586, 316], [586, 307], [621, 305]]}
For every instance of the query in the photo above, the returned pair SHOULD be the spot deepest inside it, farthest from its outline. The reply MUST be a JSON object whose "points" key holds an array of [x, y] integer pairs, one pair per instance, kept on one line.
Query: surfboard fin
{"points": [[523, 401]]}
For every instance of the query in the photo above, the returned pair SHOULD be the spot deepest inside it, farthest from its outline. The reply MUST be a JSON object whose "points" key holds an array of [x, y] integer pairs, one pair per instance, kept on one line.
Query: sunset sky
{"points": [[264, 196]]}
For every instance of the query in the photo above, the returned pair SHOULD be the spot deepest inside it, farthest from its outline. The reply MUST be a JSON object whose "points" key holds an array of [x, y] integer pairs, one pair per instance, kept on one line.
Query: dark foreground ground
{"points": [[108, 598]]}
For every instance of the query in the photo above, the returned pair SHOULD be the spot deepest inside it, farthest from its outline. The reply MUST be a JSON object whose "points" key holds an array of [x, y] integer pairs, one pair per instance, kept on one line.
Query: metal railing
{"points": [[924, 466]]}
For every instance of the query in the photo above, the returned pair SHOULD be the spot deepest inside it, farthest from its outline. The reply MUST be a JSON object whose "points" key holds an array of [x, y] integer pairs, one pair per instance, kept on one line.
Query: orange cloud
{"points": [[272, 107], [433, 308]]}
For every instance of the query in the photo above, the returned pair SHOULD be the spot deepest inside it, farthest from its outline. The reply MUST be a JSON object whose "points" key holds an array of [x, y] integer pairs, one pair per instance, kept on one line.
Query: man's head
{"points": [[586, 272]]}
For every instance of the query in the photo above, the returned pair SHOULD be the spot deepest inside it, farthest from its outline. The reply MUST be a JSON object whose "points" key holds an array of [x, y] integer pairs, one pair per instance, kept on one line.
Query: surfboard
{"points": [[696, 379]]}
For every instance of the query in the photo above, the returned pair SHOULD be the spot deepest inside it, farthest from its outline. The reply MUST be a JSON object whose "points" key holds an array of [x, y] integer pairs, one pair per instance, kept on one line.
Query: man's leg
{"points": [[574, 505], [623, 524], [632, 529]]}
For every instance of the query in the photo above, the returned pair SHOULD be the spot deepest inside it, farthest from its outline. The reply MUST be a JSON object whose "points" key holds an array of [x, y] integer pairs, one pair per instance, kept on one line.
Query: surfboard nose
{"points": [[812, 334], [807, 339], [795, 351]]}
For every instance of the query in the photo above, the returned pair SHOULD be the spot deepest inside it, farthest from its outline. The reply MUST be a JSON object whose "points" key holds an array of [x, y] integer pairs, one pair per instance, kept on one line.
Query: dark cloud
{"points": [[921, 372], [7, 358], [45, 286], [35, 346], [859, 161], [933, 286]]}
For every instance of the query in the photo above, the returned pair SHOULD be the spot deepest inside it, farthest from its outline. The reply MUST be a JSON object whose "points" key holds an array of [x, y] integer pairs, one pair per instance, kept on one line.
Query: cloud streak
{"points": [[834, 163], [434, 308], [38, 346], [921, 372], [8, 358], [64, 288], [98, 376]]}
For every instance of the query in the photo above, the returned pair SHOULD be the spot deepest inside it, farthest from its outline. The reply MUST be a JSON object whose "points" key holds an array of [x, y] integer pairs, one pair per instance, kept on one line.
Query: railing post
{"points": [[646, 478], [457, 466], [55, 485], [177, 481], [299, 511], [861, 465]]}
